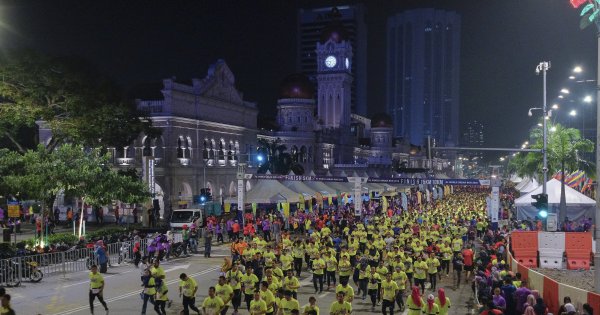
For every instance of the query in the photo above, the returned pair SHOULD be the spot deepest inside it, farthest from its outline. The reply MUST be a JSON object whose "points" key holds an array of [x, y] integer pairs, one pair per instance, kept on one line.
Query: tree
{"points": [[77, 103], [564, 148], [277, 160], [70, 169]]}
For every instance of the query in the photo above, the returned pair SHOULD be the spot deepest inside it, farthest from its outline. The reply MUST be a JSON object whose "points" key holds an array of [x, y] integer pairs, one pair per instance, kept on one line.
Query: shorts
{"points": [[468, 268]]}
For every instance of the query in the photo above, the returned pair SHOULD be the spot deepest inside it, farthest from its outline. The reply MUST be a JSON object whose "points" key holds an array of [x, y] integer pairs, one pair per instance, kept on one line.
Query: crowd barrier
{"points": [[552, 247], [15, 270], [551, 291]]}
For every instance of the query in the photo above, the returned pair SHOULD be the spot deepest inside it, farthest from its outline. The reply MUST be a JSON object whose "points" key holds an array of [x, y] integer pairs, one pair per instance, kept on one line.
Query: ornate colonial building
{"points": [[208, 128]]}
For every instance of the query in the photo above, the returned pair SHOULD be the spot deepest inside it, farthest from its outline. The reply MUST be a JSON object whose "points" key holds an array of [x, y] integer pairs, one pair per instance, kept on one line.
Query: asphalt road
{"points": [[63, 295]]}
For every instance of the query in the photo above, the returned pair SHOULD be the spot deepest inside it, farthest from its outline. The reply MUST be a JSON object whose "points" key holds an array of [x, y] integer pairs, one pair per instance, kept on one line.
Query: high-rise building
{"points": [[473, 134], [422, 93], [311, 22]]}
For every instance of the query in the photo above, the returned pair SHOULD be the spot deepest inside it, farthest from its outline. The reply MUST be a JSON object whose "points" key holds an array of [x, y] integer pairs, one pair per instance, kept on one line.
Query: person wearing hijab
{"points": [[498, 299], [528, 306], [587, 309], [540, 308], [430, 308], [442, 301], [414, 302]]}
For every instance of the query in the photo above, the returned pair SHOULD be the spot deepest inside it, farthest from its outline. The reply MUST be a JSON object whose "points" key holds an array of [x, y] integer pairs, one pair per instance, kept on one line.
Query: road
{"points": [[65, 295]]}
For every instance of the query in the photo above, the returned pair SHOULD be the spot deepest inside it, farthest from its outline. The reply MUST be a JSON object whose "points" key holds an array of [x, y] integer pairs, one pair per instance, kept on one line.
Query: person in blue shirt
{"points": [[100, 253]]}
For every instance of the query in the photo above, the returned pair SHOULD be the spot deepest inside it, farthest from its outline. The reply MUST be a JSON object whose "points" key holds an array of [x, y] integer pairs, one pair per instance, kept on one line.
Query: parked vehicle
{"points": [[29, 269], [180, 217]]}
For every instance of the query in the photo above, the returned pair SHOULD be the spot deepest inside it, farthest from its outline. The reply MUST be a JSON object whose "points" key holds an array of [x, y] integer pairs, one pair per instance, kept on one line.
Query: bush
{"points": [[66, 238], [106, 232]]}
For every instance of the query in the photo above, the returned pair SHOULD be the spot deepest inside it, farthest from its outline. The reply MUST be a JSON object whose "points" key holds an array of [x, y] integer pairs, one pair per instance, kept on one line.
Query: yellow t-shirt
{"points": [[435, 309], [348, 292], [307, 308], [288, 306], [389, 289], [318, 266], [249, 282], [443, 309], [338, 308], [188, 286], [224, 292], [258, 307], [289, 283], [96, 280], [212, 305], [420, 270], [269, 298]]}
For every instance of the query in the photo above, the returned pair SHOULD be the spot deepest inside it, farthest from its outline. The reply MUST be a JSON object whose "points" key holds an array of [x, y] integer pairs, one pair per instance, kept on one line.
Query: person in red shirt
{"points": [[235, 229], [468, 260]]}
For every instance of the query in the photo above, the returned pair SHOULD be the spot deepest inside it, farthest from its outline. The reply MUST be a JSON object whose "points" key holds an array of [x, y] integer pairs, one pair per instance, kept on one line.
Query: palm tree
{"points": [[564, 148]]}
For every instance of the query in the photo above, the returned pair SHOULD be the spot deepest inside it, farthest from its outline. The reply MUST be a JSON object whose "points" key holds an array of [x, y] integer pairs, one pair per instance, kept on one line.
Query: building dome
{"points": [[335, 30], [297, 86], [381, 120]]}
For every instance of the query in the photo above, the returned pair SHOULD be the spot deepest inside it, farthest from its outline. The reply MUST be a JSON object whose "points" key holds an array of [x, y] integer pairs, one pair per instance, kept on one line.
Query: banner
{"points": [[319, 197], [301, 202], [254, 205], [227, 207], [397, 180], [384, 203], [286, 209], [14, 210]]}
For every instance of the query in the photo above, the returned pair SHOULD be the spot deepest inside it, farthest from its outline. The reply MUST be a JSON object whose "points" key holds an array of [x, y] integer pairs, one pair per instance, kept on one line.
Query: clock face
{"points": [[347, 63], [330, 61]]}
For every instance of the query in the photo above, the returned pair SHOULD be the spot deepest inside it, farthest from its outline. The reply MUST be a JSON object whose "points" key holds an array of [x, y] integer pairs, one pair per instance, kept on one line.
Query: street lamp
{"points": [[573, 113], [565, 91], [587, 99], [555, 106], [543, 67], [577, 69]]}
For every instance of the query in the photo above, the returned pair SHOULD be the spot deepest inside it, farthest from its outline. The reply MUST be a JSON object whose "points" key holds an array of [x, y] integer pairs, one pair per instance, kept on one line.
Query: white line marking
{"points": [[133, 293]]}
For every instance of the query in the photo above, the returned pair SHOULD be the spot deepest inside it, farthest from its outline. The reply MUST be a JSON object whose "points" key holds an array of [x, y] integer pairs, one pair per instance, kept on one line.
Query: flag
{"points": [[558, 176], [319, 197], [301, 197], [587, 185], [574, 177], [384, 203], [254, 205], [286, 209], [227, 207]]}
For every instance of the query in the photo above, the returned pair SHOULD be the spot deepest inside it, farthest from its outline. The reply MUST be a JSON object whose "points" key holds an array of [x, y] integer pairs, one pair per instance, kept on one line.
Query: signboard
{"points": [[14, 211], [495, 204], [397, 180], [148, 173]]}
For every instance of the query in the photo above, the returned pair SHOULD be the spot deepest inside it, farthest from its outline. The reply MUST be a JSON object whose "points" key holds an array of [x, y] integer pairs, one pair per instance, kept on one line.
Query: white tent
{"points": [[270, 191], [527, 185], [578, 204], [515, 179]]}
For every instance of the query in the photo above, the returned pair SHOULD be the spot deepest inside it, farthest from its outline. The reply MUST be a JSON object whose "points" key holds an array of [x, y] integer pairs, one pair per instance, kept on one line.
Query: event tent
{"points": [[270, 191], [527, 185], [299, 187], [321, 187], [578, 205]]}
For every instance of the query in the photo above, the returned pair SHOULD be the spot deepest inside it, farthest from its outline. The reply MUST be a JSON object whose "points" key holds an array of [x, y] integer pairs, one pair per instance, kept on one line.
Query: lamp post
{"points": [[543, 67]]}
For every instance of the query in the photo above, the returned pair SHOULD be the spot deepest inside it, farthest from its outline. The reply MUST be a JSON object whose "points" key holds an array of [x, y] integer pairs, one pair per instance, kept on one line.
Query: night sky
{"points": [[138, 43]]}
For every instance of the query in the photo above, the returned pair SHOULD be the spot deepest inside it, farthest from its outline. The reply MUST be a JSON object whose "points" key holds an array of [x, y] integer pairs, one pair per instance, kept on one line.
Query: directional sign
{"points": [[14, 211]]}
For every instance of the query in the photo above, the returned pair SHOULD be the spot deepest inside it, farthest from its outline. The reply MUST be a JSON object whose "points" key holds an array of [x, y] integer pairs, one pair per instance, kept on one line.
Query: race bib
{"points": [[95, 291]]}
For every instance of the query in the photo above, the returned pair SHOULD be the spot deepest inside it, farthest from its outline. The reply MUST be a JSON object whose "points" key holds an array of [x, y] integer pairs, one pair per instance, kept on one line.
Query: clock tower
{"points": [[334, 79]]}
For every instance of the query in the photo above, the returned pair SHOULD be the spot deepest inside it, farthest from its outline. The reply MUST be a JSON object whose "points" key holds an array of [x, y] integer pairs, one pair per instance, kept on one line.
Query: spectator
{"points": [[522, 296], [498, 300], [567, 307], [587, 309], [540, 308]]}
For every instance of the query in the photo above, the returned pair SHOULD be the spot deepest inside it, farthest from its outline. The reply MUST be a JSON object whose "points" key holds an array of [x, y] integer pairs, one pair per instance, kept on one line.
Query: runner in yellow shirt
{"points": [[430, 308], [389, 291], [188, 288], [311, 308], [288, 304], [225, 292], [96, 288], [267, 296], [257, 305], [340, 306], [291, 283], [432, 269], [442, 301], [212, 304]]}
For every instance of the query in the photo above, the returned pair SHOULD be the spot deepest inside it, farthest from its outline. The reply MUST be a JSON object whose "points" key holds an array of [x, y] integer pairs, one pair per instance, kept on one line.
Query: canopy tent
{"points": [[342, 187], [515, 178], [268, 191], [527, 185], [321, 187], [299, 187], [374, 187], [578, 205]]}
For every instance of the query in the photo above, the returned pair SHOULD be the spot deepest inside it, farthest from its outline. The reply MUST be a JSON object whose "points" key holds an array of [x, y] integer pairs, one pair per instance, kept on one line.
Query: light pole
{"points": [[543, 67]]}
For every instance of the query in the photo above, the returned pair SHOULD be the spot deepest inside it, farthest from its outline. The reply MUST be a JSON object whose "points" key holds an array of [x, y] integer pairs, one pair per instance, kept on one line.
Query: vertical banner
{"points": [[241, 170], [301, 202], [227, 207], [254, 206], [319, 197], [495, 206], [286, 209]]}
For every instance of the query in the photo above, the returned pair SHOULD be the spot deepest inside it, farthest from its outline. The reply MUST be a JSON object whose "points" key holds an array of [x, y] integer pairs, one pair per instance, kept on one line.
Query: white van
{"points": [[179, 217]]}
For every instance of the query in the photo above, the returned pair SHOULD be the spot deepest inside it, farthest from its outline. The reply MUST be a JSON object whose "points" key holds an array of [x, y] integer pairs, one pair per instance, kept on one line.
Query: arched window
{"points": [[221, 152], [147, 147], [205, 150]]}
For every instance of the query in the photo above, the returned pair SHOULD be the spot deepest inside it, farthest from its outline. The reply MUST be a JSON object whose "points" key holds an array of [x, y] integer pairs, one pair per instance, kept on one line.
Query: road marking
{"points": [[178, 267], [323, 295], [134, 293]]}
